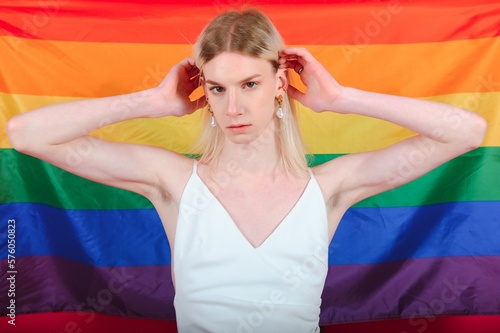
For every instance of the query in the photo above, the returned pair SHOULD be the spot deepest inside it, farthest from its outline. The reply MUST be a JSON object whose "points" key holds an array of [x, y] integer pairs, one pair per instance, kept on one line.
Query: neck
{"points": [[259, 157]]}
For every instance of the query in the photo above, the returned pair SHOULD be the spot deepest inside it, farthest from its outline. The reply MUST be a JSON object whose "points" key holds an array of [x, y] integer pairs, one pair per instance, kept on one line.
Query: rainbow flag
{"points": [[431, 247]]}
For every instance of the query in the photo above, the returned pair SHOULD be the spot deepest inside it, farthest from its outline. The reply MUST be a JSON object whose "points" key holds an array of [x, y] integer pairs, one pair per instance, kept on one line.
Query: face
{"points": [[241, 91]]}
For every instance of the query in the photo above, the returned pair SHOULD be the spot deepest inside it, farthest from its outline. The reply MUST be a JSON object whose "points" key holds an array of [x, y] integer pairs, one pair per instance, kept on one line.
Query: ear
{"points": [[281, 81], [202, 83]]}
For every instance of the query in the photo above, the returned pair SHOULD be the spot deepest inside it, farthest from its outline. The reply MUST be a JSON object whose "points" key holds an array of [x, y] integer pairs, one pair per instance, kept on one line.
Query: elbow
{"points": [[16, 134], [478, 125]]}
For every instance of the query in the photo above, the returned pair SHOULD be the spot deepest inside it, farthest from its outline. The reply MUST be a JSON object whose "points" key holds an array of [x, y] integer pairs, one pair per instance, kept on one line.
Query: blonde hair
{"points": [[251, 33]]}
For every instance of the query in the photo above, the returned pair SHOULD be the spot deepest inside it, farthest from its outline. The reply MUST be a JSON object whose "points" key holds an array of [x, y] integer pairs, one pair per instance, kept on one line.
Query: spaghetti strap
{"points": [[195, 166], [310, 173]]}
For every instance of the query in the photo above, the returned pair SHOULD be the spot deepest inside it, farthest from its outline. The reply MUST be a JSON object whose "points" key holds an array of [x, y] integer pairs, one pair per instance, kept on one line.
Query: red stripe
{"points": [[347, 23], [99, 323]]}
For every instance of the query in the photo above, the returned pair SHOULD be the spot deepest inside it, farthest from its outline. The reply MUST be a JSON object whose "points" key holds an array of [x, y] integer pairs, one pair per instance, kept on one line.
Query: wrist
{"points": [[155, 103], [147, 103], [342, 100]]}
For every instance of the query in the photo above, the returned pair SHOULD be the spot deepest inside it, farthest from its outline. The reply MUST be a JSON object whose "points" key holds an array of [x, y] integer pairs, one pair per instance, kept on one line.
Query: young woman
{"points": [[249, 223]]}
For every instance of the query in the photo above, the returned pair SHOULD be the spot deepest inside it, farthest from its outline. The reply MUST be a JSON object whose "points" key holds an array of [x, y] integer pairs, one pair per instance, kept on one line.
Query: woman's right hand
{"points": [[322, 89], [176, 87]]}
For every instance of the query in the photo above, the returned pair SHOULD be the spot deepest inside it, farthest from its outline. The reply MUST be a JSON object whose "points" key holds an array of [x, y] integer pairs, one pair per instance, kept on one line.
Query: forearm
{"points": [[437, 121], [64, 122]]}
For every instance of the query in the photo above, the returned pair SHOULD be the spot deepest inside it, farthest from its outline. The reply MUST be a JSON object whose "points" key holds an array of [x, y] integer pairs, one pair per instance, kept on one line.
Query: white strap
{"points": [[310, 173]]}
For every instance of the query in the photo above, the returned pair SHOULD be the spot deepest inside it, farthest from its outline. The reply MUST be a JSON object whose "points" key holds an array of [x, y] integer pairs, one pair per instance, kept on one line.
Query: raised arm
{"points": [[58, 133], [444, 132]]}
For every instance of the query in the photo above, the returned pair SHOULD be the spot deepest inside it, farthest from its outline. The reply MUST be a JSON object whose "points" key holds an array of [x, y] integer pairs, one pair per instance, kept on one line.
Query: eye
{"points": [[217, 90], [250, 84]]}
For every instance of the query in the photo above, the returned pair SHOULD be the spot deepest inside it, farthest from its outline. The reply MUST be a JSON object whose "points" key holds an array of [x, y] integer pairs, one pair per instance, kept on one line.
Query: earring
{"points": [[212, 119], [280, 113]]}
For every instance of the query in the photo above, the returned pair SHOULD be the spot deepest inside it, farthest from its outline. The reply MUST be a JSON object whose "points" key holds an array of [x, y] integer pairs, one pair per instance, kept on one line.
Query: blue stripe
{"points": [[375, 235], [365, 235], [95, 237]]}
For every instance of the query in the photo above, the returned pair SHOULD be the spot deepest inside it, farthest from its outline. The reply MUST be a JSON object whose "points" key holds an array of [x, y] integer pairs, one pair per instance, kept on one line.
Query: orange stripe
{"points": [[102, 69], [370, 22], [84, 69]]}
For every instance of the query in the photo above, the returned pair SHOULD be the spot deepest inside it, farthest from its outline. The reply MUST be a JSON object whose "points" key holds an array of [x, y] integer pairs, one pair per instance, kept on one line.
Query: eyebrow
{"points": [[242, 81]]}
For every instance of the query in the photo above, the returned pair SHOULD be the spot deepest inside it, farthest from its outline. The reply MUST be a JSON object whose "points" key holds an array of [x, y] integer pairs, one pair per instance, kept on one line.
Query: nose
{"points": [[233, 105]]}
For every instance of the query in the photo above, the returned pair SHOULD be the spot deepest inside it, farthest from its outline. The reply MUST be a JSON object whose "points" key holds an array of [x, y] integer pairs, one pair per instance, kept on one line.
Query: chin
{"points": [[240, 139]]}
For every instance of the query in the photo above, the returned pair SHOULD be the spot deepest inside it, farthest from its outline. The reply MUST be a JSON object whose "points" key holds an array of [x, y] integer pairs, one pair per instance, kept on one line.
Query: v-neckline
{"points": [[235, 226]]}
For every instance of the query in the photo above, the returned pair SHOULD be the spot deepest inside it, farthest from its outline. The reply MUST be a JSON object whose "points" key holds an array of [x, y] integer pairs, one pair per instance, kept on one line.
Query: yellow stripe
{"points": [[41, 67], [325, 132], [328, 133], [174, 133]]}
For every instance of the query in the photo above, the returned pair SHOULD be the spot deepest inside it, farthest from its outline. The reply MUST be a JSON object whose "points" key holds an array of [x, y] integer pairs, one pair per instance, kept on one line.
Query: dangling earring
{"points": [[212, 120], [280, 113]]}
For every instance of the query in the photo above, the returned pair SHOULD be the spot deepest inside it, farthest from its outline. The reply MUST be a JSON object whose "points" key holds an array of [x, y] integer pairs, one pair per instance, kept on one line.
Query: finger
{"points": [[188, 63], [288, 54], [296, 51], [294, 62], [190, 68], [295, 66], [196, 79], [287, 64], [298, 68], [300, 55], [191, 71], [295, 93], [194, 75]]}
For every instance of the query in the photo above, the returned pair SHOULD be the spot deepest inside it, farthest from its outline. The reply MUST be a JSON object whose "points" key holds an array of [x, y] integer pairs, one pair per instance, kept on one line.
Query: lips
{"points": [[238, 128]]}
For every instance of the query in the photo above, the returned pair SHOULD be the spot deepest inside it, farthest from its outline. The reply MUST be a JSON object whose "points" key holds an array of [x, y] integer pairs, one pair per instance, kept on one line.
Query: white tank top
{"points": [[224, 284]]}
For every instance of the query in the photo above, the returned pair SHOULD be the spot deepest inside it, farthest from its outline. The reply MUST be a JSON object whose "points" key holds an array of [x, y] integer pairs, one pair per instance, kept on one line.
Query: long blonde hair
{"points": [[251, 33]]}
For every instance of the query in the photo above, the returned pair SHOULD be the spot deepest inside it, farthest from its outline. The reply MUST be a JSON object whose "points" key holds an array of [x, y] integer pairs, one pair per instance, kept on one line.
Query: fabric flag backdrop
{"points": [[428, 248]]}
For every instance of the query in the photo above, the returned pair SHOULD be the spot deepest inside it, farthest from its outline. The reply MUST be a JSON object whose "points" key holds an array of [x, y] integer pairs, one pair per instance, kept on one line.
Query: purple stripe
{"points": [[410, 289], [47, 284]]}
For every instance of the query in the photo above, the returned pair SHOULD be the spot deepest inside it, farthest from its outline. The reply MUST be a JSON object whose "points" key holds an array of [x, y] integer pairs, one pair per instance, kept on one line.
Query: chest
{"points": [[258, 209]]}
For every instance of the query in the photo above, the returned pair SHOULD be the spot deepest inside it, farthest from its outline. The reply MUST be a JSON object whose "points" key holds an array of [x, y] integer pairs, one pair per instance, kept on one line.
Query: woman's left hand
{"points": [[322, 88]]}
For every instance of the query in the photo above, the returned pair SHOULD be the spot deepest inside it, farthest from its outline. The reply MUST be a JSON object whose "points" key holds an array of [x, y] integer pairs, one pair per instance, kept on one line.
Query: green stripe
{"points": [[471, 177], [474, 176], [26, 179]]}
